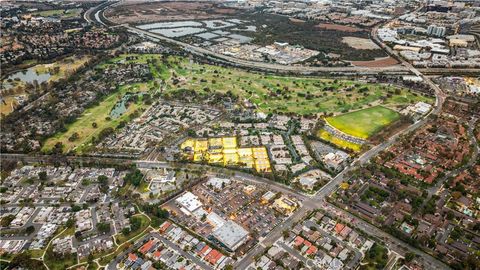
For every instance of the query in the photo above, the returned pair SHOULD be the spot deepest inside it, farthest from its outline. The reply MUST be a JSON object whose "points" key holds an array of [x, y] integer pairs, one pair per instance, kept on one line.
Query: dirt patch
{"points": [[360, 43], [136, 13], [339, 27], [296, 21], [380, 62]]}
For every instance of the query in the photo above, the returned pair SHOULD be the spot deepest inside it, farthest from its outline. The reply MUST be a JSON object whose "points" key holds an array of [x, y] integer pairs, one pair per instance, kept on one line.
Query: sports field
{"points": [[364, 123]]}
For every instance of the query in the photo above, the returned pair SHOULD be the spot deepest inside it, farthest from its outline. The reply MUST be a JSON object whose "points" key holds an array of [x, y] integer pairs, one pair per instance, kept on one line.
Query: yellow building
{"points": [[284, 205], [215, 143], [201, 145], [188, 143], [225, 150], [229, 142]]}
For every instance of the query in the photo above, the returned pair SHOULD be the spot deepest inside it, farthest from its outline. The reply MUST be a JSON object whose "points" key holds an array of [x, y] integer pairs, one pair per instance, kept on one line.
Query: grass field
{"points": [[275, 94], [301, 95], [98, 114], [324, 135], [364, 123]]}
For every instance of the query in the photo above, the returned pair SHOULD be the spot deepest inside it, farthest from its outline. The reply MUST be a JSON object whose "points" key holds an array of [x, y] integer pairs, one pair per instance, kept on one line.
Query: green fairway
{"points": [[98, 114], [269, 93], [276, 94], [364, 123]]}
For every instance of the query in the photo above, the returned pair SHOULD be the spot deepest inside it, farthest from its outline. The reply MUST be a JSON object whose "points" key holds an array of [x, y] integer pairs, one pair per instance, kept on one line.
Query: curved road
{"points": [[318, 201]]}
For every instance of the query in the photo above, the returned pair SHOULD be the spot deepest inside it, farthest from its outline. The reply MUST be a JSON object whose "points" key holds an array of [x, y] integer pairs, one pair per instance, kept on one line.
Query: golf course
{"points": [[268, 93]]}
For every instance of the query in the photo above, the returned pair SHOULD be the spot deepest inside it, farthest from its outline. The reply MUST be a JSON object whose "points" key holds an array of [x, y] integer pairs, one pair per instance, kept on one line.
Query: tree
{"points": [[103, 227], [58, 148], [42, 176], [70, 223], [90, 258], [135, 223], [23, 260], [7, 220], [103, 183], [134, 178], [74, 137], [30, 229], [125, 231], [409, 256]]}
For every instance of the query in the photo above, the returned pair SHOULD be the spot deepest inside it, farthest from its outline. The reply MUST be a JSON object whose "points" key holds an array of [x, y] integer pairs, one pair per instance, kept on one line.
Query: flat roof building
{"points": [[231, 235], [189, 202]]}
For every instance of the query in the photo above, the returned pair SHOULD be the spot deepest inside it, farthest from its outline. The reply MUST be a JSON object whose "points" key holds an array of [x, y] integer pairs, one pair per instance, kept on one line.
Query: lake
{"points": [[27, 75]]}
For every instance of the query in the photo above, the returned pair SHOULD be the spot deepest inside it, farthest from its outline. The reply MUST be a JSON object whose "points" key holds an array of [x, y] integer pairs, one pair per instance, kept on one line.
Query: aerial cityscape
{"points": [[240, 134]]}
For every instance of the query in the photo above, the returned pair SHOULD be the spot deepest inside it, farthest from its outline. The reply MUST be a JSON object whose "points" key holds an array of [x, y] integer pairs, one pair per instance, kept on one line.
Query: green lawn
{"points": [[300, 95], [364, 123], [121, 238], [375, 258], [56, 261], [98, 114], [271, 94]]}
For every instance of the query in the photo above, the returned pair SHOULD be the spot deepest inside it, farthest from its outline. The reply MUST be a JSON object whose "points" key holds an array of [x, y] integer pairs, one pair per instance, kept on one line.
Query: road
{"points": [[278, 68], [269, 66], [309, 202], [357, 254], [119, 258]]}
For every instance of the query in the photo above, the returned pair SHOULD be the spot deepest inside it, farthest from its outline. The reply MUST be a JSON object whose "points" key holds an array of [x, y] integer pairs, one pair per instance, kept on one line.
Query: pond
{"points": [[120, 107], [27, 75], [169, 25], [178, 32]]}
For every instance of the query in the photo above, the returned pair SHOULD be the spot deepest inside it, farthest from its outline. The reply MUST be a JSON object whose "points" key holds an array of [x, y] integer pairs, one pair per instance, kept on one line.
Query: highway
{"points": [[318, 201], [97, 13], [306, 70]]}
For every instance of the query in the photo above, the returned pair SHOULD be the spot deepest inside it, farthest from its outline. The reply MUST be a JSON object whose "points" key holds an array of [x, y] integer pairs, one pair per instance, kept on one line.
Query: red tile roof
{"points": [[298, 241], [157, 254], [145, 248], [132, 257], [204, 250], [164, 226], [213, 256], [312, 250], [339, 227]]}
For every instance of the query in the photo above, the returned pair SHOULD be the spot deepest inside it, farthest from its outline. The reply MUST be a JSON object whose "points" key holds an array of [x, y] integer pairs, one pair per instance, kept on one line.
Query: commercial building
{"points": [[231, 235], [189, 203]]}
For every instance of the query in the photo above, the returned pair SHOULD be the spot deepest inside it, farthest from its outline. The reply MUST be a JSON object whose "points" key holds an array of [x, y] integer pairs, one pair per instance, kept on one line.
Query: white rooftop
{"points": [[231, 235], [189, 201]]}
